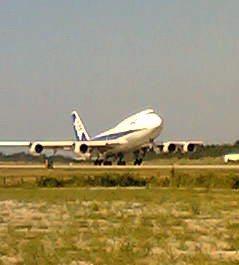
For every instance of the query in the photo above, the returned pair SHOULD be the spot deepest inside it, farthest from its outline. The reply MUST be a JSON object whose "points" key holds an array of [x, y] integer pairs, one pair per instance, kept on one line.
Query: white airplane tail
{"points": [[79, 129]]}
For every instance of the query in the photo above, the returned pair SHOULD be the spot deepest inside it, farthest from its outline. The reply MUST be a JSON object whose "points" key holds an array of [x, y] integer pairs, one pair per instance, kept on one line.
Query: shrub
{"points": [[235, 184], [50, 182], [105, 180], [113, 180]]}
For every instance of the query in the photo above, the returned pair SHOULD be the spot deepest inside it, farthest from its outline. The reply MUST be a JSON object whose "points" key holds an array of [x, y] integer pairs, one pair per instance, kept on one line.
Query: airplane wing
{"points": [[14, 144], [36, 147], [101, 146], [183, 146]]}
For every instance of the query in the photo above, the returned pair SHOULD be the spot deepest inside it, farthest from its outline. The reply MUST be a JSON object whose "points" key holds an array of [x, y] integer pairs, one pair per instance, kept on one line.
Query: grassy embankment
{"points": [[208, 178], [185, 161], [150, 226]]}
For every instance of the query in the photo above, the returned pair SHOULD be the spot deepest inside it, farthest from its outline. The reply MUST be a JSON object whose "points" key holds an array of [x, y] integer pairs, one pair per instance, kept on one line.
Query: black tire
{"points": [[121, 163], [98, 162], [107, 163], [138, 161]]}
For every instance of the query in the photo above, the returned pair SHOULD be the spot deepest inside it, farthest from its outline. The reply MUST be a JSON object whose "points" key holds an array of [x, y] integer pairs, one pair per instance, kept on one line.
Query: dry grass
{"points": [[119, 226]]}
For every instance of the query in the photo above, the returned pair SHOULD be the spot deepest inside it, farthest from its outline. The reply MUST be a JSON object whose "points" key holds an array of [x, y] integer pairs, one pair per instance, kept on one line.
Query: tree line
{"points": [[214, 150]]}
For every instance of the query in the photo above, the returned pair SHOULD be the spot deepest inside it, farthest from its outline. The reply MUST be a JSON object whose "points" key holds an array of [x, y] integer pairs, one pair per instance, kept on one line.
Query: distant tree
{"points": [[206, 151]]}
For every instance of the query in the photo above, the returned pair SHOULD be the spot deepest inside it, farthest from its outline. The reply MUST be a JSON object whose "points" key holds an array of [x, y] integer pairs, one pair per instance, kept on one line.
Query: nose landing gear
{"points": [[139, 156]]}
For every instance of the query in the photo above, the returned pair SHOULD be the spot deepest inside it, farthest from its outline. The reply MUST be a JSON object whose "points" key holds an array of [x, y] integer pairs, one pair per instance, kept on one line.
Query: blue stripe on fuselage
{"points": [[114, 136]]}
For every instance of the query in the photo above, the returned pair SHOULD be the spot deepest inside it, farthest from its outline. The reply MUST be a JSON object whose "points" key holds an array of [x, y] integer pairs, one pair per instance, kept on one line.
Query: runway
{"points": [[115, 167], [150, 167]]}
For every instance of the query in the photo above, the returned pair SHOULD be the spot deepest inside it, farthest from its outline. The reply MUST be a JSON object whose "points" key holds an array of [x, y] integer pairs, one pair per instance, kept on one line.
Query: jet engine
{"points": [[168, 147], [81, 148], [182, 146], [36, 149], [189, 147]]}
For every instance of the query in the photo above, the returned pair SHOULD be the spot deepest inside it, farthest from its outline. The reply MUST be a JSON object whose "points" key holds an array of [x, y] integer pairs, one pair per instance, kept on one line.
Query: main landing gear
{"points": [[138, 155], [138, 161], [108, 161], [100, 162], [120, 161]]}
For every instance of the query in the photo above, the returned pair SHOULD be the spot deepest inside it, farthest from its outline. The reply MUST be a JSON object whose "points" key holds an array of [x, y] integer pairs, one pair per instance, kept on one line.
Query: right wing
{"points": [[37, 147], [101, 146], [14, 144]]}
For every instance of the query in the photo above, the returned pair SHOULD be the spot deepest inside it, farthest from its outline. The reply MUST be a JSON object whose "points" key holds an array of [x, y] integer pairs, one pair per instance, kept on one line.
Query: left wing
{"points": [[183, 146]]}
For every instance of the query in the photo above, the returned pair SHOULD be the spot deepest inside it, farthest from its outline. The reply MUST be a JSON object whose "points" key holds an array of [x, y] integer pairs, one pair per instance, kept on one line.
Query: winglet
{"points": [[79, 129]]}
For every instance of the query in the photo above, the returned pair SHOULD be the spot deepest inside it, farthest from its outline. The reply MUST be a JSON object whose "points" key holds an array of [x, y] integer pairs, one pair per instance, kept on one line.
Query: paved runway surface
{"points": [[147, 167]]}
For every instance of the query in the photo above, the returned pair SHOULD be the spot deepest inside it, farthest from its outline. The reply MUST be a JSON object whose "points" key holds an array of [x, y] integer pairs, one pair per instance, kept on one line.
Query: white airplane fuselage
{"points": [[134, 132]]}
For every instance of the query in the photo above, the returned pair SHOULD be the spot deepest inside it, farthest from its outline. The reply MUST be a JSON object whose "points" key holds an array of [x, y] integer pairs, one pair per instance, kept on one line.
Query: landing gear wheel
{"points": [[107, 163], [98, 162], [121, 163], [138, 161]]}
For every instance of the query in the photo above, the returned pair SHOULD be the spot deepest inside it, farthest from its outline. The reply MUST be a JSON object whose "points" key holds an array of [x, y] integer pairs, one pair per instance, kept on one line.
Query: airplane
{"points": [[135, 134]]}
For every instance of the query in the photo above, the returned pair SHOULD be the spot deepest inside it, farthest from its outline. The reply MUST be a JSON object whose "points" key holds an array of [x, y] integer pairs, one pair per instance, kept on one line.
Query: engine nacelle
{"points": [[81, 148], [36, 149], [182, 146], [189, 147], [168, 148]]}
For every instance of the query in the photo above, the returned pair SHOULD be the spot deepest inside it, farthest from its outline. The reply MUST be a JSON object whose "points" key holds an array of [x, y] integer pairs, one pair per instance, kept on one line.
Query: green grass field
{"points": [[119, 226]]}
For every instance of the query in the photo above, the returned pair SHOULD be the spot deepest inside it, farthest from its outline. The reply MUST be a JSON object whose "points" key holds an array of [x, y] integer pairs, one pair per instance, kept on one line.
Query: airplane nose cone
{"points": [[156, 121], [161, 121]]}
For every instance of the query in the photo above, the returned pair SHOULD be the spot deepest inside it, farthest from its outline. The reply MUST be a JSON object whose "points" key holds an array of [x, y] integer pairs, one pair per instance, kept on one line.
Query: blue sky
{"points": [[108, 59]]}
